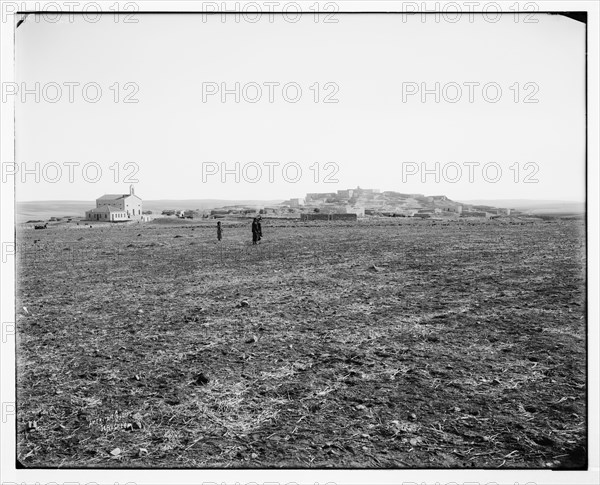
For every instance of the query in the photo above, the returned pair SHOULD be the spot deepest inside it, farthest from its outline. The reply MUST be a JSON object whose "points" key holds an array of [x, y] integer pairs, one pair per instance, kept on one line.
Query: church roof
{"points": [[113, 196], [106, 208]]}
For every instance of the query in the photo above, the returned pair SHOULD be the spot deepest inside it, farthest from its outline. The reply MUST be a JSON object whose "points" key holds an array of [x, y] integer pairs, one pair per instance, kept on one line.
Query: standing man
{"points": [[219, 231], [255, 231], [259, 218]]}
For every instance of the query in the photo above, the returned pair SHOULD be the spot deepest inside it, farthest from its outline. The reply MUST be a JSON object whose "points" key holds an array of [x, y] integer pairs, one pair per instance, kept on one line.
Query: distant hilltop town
{"points": [[349, 204], [373, 202]]}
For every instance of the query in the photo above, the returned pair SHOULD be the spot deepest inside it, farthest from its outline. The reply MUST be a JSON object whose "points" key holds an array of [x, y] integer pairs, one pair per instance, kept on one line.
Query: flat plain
{"points": [[390, 343]]}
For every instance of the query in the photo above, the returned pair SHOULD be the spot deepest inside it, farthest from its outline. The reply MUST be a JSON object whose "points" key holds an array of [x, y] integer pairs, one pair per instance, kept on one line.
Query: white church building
{"points": [[117, 208]]}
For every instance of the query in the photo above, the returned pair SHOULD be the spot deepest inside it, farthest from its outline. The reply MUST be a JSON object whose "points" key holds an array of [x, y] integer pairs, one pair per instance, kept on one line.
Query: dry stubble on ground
{"points": [[411, 344]]}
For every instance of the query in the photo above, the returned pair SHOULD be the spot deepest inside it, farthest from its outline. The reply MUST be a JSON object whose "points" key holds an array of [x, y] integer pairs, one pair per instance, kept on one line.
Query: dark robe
{"points": [[255, 231]]}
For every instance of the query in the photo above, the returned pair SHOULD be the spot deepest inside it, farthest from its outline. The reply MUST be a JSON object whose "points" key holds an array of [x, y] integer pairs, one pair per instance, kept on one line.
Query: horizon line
{"points": [[583, 201]]}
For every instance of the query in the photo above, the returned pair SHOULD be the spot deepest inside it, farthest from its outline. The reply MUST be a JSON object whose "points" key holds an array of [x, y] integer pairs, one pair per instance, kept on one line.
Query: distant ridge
{"points": [[45, 209], [533, 206], [202, 203]]}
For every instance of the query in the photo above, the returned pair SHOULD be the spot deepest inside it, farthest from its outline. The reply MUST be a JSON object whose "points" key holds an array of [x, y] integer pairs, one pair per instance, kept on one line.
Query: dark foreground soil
{"points": [[412, 344]]}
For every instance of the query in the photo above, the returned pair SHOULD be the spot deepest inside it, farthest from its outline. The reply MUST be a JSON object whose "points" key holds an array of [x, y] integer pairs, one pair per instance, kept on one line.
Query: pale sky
{"points": [[370, 134]]}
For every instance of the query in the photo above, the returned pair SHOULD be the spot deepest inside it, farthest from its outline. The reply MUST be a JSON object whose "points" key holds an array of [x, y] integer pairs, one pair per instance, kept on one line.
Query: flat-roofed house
{"points": [[106, 213]]}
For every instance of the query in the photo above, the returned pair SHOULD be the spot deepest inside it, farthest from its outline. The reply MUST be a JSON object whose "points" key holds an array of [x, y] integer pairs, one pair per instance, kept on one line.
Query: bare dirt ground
{"points": [[395, 344]]}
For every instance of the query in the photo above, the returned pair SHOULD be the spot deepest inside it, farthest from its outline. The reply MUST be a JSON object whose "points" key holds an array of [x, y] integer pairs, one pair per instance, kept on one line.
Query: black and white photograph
{"points": [[300, 242]]}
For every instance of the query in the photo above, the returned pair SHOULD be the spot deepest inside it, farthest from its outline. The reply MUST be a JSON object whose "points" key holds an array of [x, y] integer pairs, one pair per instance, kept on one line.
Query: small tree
{"points": [[317, 209]]}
